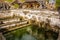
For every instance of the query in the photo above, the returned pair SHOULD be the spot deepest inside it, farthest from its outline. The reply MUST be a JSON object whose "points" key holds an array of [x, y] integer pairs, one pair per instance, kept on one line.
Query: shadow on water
{"points": [[31, 33]]}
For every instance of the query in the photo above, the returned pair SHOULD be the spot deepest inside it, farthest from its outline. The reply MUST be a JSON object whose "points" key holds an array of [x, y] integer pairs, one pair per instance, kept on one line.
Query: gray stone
{"points": [[27, 37], [2, 37]]}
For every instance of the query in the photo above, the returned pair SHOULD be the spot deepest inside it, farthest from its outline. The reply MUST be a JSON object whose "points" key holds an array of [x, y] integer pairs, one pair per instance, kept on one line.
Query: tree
{"points": [[10, 1], [22, 1], [57, 3]]}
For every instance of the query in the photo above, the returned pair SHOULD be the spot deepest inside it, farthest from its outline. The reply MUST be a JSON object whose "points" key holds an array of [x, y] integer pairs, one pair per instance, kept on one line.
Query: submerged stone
{"points": [[28, 37]]}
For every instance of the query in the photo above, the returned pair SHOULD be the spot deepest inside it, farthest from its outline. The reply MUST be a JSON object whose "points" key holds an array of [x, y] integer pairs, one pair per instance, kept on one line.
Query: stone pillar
{"points": [[40, 5], [2, 37], [39, 1], [59, 36]]}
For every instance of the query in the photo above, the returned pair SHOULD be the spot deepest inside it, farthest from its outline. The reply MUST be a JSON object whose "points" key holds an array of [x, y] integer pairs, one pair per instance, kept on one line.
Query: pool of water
{"points": [[31, 33]]}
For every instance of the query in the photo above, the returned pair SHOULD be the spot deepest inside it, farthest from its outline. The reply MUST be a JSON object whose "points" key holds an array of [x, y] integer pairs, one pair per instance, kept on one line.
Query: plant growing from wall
{"points": [[57, 3]]}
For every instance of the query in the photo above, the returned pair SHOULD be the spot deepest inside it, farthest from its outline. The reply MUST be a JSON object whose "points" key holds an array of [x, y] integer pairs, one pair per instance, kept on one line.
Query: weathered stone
{"points": [[2, 37]]}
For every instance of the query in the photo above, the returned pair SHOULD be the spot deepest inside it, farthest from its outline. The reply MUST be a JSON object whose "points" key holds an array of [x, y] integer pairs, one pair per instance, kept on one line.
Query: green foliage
{"points": [[22, 1], [16, 5], [57, 3], [9, 1]]}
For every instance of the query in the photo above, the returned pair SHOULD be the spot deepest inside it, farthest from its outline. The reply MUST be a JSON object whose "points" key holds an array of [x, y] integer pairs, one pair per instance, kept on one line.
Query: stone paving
{"points": [[38, 15], [52, 16]]}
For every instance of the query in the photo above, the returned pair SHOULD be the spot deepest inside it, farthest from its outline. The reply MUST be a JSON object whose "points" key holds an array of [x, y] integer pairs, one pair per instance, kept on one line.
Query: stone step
{"points": [[10, 23], [11, 20], [14, 28]]}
